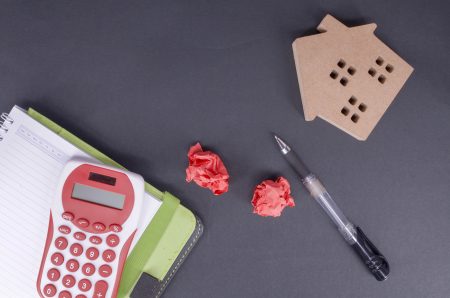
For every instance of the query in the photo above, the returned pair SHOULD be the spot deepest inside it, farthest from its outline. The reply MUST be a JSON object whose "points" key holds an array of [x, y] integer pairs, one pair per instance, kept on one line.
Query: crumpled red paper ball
{"points": [[271, 197], [207, 170]]}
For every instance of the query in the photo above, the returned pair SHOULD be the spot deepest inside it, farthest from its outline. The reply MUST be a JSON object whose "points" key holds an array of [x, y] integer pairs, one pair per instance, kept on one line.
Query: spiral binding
{"points": [[5, 122]]}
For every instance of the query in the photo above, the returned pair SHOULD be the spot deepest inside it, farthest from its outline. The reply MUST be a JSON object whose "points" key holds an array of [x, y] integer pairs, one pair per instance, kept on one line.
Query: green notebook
{"points": [[164, 245]]}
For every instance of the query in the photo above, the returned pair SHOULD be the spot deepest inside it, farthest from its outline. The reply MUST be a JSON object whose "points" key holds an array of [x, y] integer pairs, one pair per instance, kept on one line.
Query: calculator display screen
{"points": [[98, 196]]}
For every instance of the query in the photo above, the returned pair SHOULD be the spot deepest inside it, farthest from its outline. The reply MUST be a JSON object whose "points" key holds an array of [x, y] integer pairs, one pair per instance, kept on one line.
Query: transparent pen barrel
{"points": [[320, 194]]}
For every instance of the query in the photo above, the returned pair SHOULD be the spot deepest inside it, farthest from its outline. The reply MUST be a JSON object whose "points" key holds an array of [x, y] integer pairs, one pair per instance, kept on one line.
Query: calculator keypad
{"points": [[79, 236], [61, 243], [76, 249], [92, 253], [64, 229], [84, 285], [67, 216], [109, 255], [49, 290], [72, 265], [57, 259], [79, 262], [105, 270], [98, 226], [115, 228], [65, 294], [112, 240], [88, 269], [53, 274], [83, 222], [68, 281], [100, 288], [95, 240]]}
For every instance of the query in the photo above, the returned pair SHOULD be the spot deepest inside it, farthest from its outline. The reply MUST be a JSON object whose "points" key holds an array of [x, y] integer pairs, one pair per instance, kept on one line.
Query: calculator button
{"points": [[57, 259], [65, 294], [53, 274], [112, 240], [84, 285], [76, 249], [67, 216], [83, 222], [99, 227], [68, 281], [61, 243], [108, 255], [101, 287], [92, 253], [64, 229], [79, 236], [72, 265], [49, 290], [88, 269], [115, 228], [105, 270], [95, 240]]}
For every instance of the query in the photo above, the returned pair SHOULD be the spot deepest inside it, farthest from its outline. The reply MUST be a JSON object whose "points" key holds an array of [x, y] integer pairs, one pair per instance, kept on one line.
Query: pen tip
{"points": [[283, 146]]}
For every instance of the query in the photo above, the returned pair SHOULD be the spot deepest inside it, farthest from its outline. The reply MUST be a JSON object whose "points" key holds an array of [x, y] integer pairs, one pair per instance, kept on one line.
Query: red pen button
{"points": [[80, 296], [53, 274], [57, 259], [83, 222], [95, 240], [79, 236], [115, 228], [64, 229], [49, 290], [67, 216], [65, 294], [112, 240], [105, 271], [84, 285], [99, 227], [61, 243], [68, 281], [108, 255], [101, 287]]}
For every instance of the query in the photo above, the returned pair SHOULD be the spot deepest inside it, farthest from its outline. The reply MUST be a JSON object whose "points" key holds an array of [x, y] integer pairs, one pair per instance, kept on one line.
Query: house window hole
{"points": [[352, 100], [334, 75], [354, 118], [379, 61], [351, 70], [389, 68]]}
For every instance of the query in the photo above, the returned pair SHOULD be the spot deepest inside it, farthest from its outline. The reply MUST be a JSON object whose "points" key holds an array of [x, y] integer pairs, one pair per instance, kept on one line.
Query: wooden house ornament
{"points": [[347, 76]]}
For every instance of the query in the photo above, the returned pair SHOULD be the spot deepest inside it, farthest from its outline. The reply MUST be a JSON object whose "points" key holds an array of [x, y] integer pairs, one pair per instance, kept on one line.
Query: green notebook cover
{"points": [[164, 244]]}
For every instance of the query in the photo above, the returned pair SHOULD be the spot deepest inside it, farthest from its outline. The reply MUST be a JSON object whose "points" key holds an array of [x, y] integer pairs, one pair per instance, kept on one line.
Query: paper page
{"points": [[31, 160]]}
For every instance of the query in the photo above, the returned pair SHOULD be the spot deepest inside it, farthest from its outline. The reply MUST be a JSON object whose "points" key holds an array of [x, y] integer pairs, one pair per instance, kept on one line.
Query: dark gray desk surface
{"points": [[144, 80]]}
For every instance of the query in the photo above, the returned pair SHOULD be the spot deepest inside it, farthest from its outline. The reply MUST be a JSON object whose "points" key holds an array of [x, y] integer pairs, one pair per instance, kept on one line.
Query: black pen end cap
{"points": [[371, 256]]}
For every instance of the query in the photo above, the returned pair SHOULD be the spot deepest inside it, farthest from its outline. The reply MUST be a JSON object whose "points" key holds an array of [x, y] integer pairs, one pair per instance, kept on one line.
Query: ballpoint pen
{"points": [[354, 236]]}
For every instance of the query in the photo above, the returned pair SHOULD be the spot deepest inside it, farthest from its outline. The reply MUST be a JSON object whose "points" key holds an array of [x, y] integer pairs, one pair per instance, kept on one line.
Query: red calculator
{"points": [[93, 219]]}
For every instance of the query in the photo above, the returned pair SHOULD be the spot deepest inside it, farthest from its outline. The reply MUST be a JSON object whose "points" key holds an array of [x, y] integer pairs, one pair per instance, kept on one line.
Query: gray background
{"points": [[144, 80]]}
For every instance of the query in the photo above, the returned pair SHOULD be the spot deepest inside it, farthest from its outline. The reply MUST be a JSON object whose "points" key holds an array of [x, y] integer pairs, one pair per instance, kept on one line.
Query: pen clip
{"points": [[371, 256]]}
